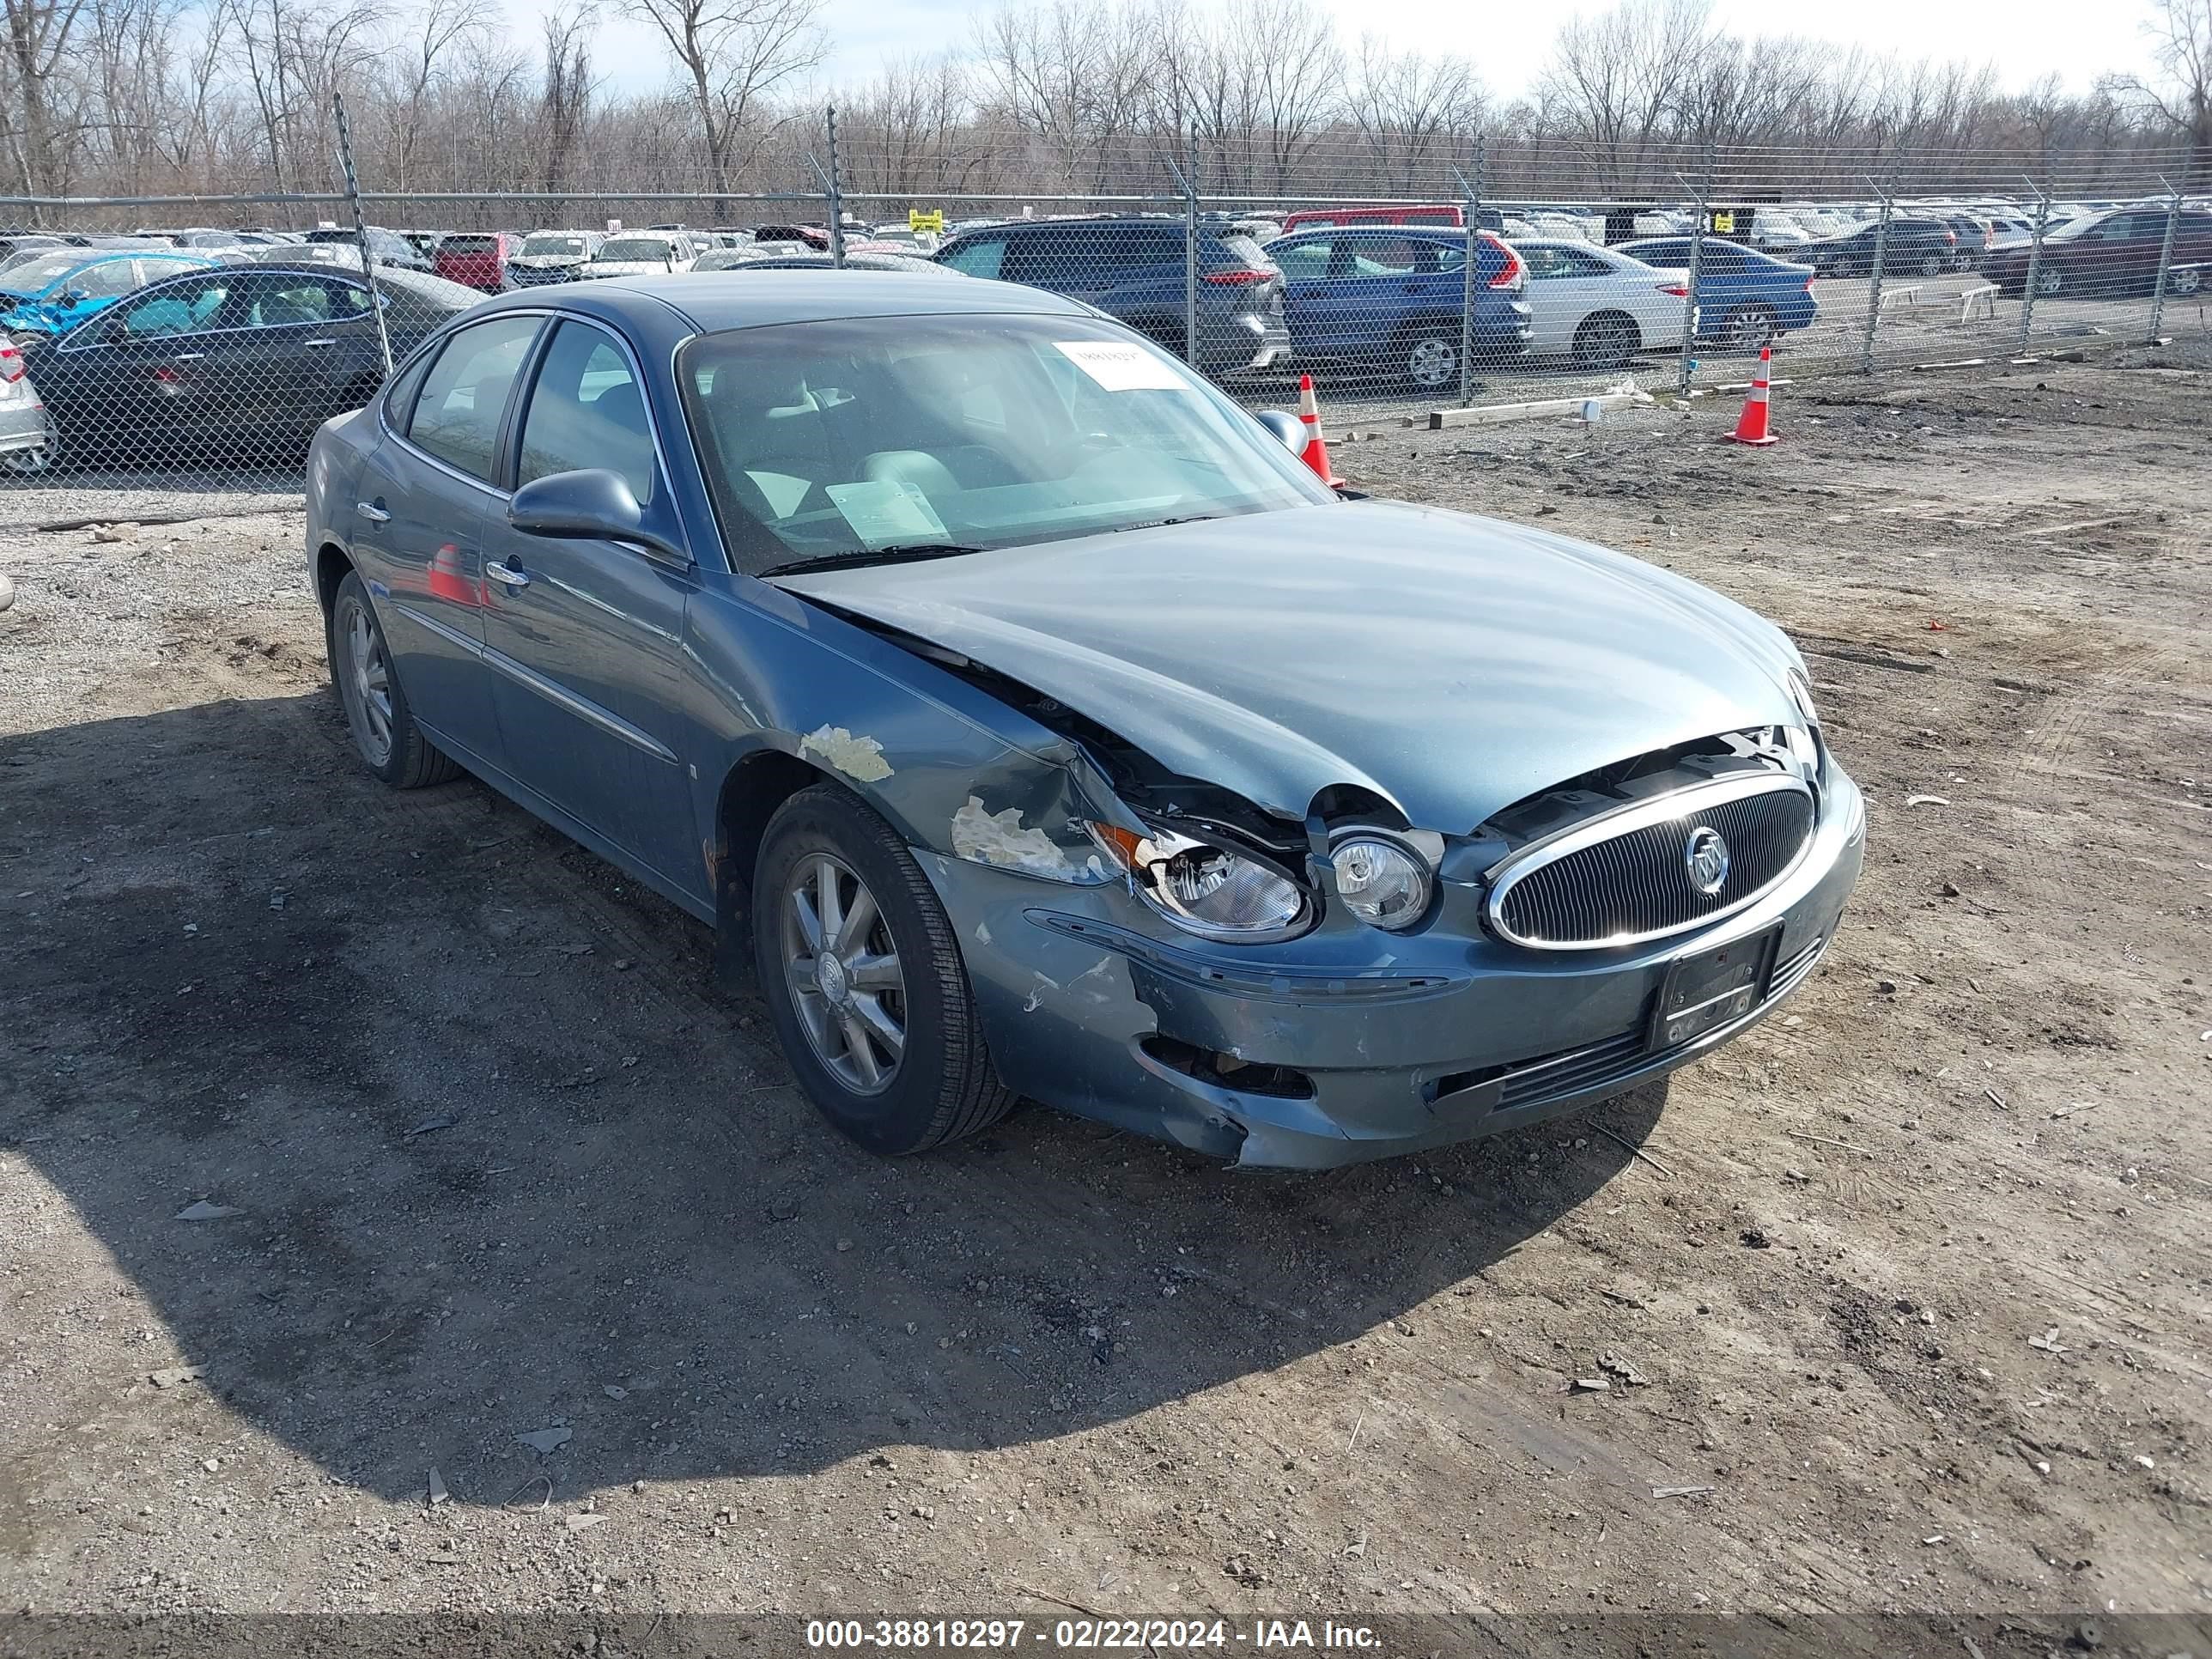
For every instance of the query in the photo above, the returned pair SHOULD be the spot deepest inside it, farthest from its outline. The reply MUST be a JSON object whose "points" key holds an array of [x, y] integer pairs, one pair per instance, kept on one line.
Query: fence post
{"points": [[2165, 260], [1186, 178], [361, 228], [1472, 188], [1873, 278], [1688, 367], [836, 198], [2034, 265]]}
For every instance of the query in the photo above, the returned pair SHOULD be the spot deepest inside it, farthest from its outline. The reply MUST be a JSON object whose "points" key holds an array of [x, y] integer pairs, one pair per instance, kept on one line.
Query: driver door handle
{"points": [[373, 513], [506, 573], [310, 345], [186, 356]]}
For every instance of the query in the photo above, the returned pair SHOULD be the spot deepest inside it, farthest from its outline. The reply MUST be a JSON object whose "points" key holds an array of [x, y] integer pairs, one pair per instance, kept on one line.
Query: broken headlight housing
{"points": [[1206, 890]]}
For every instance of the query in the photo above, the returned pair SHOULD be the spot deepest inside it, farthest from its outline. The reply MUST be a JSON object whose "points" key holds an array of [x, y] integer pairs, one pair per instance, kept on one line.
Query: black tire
{"points": [[944, 1085], [1607, 339], [406, 759]]}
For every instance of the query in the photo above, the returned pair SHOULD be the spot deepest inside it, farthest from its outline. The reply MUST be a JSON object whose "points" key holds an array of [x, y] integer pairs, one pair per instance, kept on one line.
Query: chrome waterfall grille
{"points": [[1660, 866]]}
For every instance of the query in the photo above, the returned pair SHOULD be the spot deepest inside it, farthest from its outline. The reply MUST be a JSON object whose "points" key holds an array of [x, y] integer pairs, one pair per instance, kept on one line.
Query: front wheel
{"points": [[2049, 282], [385, 734], [857, 963], [1933, 265], [1430, 359], [2183, 283]]}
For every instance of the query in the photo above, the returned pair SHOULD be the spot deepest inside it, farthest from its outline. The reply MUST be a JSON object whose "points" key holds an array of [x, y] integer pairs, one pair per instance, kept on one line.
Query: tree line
{"points": [[1044, 101]]}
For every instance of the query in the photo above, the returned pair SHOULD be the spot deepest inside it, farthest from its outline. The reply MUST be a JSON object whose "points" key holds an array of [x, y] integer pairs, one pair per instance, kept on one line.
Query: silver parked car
{"points": [[638, 253], [554, 256], [1031, 723]]}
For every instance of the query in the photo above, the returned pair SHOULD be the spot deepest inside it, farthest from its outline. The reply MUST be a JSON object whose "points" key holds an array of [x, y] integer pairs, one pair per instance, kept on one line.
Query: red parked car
{"points": [[477, 259]]}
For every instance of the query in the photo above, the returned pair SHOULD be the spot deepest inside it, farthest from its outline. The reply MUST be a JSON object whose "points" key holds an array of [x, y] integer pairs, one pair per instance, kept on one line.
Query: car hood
{"points": [[1451, 663]]}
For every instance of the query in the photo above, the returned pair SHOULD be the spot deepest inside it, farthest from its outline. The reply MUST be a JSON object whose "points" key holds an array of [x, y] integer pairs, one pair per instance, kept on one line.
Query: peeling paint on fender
{"points": [[856, 757], [997, 838]]}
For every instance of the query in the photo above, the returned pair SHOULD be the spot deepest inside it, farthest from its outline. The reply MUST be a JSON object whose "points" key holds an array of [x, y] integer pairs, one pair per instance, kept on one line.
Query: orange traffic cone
{"points": [[1750, 425], [1316, 454]]}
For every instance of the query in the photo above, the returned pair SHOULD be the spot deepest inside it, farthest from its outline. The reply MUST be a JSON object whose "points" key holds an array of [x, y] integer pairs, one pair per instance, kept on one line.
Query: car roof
{"points": [[711, 300]]}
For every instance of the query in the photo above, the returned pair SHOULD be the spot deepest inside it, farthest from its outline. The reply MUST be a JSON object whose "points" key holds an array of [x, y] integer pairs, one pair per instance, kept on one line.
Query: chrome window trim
{"points": [[1508, 873]]}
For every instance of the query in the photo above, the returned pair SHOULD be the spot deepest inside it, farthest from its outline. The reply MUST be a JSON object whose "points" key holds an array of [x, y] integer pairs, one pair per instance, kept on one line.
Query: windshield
{"points": [[36, 275], [636, 247], [543, 245], [845, 438]]}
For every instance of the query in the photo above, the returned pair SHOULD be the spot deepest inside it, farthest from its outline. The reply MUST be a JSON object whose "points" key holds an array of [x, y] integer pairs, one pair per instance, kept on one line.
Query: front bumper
{"points": [[1436, 1039]]}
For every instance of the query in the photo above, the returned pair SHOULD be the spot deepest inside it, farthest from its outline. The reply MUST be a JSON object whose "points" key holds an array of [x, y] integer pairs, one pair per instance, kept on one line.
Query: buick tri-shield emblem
{"points": [[1706, 858]]}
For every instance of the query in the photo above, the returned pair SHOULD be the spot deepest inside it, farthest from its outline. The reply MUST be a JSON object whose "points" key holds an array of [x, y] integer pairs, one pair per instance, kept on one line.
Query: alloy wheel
{"points": [[1432, 362], [1751, 330], [842, 968], [2048, 281], [366, 680]]}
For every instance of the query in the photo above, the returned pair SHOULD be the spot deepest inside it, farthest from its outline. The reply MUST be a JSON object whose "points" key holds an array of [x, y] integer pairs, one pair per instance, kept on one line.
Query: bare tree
{"points": [[432, 33], [1416, 113], [734, 55], [39, 34], [565, 101], [2180, 34]]}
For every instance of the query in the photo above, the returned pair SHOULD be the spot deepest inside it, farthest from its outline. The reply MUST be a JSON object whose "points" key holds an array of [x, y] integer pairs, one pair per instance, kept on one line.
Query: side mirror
{"points": [[591, 504], [1287, 427]]}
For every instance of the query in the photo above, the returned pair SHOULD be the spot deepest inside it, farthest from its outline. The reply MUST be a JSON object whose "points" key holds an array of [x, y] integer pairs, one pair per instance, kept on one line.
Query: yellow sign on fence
{"points": [[1723, 223], [918, 221]]}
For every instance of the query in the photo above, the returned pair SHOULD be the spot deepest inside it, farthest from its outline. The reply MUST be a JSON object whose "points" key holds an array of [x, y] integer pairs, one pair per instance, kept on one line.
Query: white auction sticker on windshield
{"points": [[1122, 367], [883, 513]]}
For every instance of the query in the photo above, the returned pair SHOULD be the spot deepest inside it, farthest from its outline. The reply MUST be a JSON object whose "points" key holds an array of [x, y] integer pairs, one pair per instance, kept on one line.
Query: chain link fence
{"points": [[170, 357]]}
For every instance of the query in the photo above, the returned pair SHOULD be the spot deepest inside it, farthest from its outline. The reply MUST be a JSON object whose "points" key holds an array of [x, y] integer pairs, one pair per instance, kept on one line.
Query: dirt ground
{"points": [[1903, 1300]]}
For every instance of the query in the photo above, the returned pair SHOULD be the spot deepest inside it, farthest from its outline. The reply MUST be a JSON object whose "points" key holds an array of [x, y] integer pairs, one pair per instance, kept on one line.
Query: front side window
{"points": [[186, 307], [456, 416], [843, 438], [586, 411]]}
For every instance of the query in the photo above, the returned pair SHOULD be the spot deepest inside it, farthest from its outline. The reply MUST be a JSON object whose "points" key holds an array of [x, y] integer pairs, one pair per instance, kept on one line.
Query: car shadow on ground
{"points": [[500, 1159]]}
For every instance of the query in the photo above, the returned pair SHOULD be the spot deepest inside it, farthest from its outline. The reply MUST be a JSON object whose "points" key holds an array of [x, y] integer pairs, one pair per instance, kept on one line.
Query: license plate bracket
{"points": [[1714, 986]]}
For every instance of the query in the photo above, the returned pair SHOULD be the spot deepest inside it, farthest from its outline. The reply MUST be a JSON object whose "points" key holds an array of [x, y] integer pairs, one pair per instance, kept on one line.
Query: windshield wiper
{"points": [[1158, 524], [901, 553]]}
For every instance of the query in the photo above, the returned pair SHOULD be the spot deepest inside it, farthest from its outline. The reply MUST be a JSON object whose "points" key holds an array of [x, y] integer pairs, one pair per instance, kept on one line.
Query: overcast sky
{"points": [[1509, 44]]}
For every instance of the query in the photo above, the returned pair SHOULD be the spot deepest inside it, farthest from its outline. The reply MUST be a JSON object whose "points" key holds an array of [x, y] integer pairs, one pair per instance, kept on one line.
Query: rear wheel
{"points": [[857, 962], [1751, 329], [1933, 265], [1606, 340], [2184, 282], [385, 734], [2049, 282]]}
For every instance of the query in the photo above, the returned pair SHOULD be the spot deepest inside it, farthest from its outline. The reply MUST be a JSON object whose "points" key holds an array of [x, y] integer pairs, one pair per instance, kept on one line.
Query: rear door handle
{"points": [[372, 512], [186, 356], [506, 573]]}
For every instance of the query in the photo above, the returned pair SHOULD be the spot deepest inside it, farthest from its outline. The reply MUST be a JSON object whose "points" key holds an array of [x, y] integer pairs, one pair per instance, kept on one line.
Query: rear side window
{"points": [[457, 416], [586, 409], [980, 257]]}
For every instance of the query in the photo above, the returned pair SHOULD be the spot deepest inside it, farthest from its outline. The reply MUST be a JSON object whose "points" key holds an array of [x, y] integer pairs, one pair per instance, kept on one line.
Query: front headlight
{"points": [[1384, 884], [1205, 889]]}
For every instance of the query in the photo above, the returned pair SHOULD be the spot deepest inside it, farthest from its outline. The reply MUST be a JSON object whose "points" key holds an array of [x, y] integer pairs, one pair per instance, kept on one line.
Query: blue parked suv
{"points": [[1390, 299], [1132, 270], [1745, 298]]}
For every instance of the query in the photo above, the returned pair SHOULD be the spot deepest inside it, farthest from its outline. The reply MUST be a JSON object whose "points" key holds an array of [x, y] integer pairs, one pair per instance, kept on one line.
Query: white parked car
{"points": [[1598, 306], [641, 253]]}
